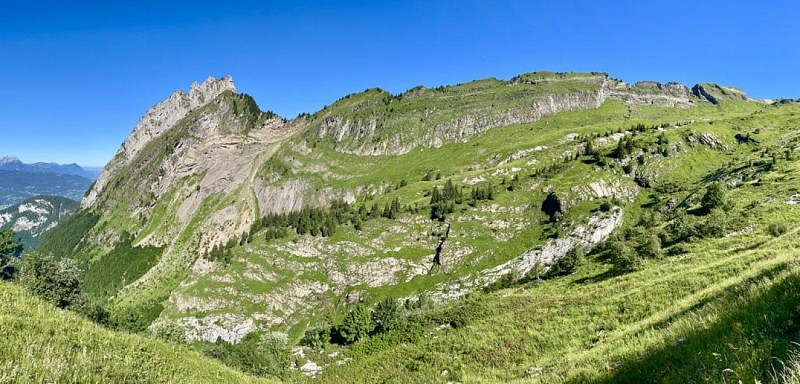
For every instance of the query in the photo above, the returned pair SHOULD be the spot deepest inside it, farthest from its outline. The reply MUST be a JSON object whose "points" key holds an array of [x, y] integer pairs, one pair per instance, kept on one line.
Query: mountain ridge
{"points": [[207, 180], [12, 163]]}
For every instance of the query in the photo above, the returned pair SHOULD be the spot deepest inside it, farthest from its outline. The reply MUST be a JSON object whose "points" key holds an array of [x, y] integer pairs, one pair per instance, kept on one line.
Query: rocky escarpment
{"points": [[671, 95], [378, 123], [714, 93], [157, 120]]}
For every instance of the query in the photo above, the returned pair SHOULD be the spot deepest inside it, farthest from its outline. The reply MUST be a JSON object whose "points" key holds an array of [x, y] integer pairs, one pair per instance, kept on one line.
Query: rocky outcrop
{"points": [[33, 218], [368, 128], [157, 120], [671, 95], [714, 93], [598, 228]]}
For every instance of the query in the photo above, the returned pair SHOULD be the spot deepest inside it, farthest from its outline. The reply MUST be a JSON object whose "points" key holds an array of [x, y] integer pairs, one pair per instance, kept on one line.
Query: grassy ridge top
{"points": [[44, 344]]}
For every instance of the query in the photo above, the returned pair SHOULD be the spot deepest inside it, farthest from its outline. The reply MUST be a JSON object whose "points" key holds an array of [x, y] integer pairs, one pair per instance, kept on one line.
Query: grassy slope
{"points": [[44, 344], [725, 310]]}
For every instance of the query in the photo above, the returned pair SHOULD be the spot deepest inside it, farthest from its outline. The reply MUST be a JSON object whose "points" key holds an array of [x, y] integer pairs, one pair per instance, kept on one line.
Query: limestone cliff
{"points": [[157, 120]]}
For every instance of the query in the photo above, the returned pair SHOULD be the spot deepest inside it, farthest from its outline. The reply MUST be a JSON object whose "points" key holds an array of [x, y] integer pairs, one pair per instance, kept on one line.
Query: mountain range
{"points": [[546, 228], [11, 163]]}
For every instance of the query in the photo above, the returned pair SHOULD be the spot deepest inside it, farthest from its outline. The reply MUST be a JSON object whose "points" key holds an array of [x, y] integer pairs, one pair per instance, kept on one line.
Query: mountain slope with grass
{"points": [[45, 345], [551, 227]]}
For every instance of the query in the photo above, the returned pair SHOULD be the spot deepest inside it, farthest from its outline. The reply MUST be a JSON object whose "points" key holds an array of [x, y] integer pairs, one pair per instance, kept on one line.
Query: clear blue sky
{"points": [[74, 79]]}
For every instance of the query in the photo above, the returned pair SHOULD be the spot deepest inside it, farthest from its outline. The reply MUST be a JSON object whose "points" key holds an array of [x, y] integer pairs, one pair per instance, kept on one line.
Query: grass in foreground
{"points": [[45, 345]]}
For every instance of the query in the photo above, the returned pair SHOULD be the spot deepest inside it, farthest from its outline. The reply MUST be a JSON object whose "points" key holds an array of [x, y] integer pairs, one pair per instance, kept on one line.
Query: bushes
{"points": [[622, 257], [777, 229], [56, 281], [387, 316], [9, 250], [568, 264], [713, 198], [356, 325], [259, 355]]}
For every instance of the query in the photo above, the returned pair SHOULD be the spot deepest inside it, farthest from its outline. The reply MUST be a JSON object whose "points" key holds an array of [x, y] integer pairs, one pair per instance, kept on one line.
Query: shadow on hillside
{"points": [[611, 273], [746, 343]]}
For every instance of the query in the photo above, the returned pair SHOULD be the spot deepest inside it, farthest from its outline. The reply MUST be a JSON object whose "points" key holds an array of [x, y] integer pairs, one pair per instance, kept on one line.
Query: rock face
{"points": [[595, 230], [156, 121], [714, 93], [31, 219], [671, 95], [375, 130]]}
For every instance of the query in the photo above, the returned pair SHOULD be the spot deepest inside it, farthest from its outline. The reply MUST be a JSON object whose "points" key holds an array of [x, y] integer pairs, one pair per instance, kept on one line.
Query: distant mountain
{"points": [[16, 186], [32, 218], [11, 163]]}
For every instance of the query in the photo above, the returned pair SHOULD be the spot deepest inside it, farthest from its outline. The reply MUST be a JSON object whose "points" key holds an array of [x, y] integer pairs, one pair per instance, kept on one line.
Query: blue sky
{"points": [[74, 79]]}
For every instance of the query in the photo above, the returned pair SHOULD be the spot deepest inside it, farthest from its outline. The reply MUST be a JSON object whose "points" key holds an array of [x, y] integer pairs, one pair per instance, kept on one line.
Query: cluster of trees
{"points": [[309, 220], [360, 322], [444, 201], [58, 281]]}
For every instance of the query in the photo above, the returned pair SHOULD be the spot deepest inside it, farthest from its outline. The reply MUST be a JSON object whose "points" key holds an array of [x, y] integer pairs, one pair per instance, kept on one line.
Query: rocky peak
{"points": [[157, 120]]}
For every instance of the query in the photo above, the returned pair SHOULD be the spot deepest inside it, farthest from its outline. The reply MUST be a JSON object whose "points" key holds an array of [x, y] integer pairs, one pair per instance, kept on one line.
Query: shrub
{"points": [[714, 197], [622, 257], [387, 316], [715, 224], [259, 355], [356, 325], [317, 337], [649, 246], [777, 229], [56, 281], [569, 263], [605, 206], [9, 248]]}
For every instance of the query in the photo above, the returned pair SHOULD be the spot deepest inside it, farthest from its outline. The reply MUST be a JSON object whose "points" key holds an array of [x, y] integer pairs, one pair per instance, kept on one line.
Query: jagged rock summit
{"points": [[157, 120]]}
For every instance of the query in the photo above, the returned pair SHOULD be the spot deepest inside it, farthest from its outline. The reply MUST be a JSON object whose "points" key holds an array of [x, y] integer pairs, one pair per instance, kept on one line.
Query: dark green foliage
{"points": [[622, 257], [606, 206], [589, 149], [481, 192], [714, 197], [317, 337], [625, 147], [135, 319], [552, 207], [309, 220], [444, 201], [390, 211], [777, 229], [259, 355], [649, 246], [356, 325], [56, 281], [63, 240], [10, 249], [123, 265], [387, 316], [568, 264], [506, 281]]}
